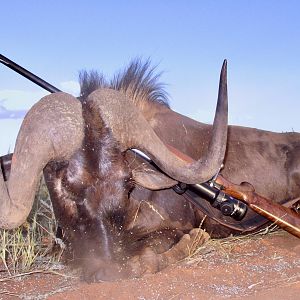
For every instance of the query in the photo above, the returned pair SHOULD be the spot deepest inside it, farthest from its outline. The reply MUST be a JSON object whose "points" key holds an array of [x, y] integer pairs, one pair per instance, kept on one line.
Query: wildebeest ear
{"points": [[150, 178]]}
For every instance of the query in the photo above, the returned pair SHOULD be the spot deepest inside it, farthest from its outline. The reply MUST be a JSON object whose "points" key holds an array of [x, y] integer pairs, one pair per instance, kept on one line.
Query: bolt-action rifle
{"points": [[231, 199], [286, 218]]}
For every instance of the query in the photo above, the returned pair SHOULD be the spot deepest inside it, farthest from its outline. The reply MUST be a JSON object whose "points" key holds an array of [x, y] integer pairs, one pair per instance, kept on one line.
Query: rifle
{"points": [[228, 197], [284, 217]]}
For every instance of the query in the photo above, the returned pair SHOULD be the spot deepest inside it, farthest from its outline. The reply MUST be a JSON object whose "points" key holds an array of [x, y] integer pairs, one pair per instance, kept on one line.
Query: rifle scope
{"points": [[211, 192]]}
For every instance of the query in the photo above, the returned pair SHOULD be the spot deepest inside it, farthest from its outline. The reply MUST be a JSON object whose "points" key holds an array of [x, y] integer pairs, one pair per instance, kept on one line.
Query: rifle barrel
{"points": [[37, 80]]}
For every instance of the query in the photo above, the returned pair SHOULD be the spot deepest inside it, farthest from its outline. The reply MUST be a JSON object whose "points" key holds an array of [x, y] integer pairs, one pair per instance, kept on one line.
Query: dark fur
{"points": [[138, 81]]}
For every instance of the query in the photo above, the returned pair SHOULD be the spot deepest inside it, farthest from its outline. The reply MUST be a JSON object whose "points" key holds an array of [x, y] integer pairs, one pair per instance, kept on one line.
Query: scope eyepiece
{"points": [[228, 205]]}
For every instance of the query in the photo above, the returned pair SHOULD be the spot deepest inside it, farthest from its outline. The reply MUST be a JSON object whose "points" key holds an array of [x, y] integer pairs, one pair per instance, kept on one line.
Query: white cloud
{"points": [[24, 100], [10, 114], [14, 104], [21, 100]]}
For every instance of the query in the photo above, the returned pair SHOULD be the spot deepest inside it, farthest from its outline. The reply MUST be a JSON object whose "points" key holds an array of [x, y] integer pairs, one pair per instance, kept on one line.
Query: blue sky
{"points": [[187, 39]]}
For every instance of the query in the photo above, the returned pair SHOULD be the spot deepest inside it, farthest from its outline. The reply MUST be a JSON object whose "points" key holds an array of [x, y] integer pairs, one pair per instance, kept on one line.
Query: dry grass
{"points": [[28, 247], [226, 245]]}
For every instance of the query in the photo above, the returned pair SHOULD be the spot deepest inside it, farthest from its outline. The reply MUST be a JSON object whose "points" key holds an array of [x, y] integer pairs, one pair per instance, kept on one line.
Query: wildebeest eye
{"points": [[129, 183]]}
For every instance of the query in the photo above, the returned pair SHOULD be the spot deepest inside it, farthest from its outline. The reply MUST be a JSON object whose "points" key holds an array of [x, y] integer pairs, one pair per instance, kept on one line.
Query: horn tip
{"points": [[224, 70]]}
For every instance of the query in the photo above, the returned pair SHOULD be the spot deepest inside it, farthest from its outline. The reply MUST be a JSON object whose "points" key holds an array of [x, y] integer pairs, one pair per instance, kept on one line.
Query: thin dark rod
{"points": [[37, 80]]}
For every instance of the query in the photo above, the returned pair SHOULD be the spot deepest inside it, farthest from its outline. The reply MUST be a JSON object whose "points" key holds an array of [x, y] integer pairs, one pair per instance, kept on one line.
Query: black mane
{"points": [[138, 81]]}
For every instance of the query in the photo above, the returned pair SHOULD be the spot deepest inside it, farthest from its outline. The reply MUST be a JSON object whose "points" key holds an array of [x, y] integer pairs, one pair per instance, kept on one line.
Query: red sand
{"points": [[264, 268]]}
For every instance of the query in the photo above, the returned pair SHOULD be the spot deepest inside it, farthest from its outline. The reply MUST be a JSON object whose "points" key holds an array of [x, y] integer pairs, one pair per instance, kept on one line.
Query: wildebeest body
{"points": [[268, 160]]}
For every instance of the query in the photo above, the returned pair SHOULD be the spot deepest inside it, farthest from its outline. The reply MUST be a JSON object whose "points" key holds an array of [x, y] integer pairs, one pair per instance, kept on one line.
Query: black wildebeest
{"points": [[119, 215], [93, 183]]}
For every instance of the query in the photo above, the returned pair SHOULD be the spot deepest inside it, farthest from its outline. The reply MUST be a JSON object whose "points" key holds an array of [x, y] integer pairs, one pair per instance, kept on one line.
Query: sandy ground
{"points": [[265, 267]]}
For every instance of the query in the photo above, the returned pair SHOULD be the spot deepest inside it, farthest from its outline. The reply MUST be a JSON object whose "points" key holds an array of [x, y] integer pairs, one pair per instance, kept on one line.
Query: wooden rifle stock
{"points": [[284, 217]]}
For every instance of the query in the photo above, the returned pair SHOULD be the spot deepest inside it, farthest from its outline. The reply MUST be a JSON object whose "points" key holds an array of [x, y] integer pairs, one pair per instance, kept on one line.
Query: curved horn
{"points": [[52, 129], [132, 130]]}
